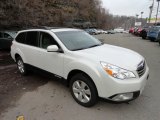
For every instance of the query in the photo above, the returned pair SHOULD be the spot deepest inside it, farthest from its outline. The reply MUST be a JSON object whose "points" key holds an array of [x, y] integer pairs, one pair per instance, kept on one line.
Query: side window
{"points": [[21, 37], [46, 40], [32, 38], [7, 36], [1, 35]]}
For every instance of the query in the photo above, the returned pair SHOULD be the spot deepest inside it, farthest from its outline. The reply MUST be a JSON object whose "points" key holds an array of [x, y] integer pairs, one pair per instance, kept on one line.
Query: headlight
{"points": [[117, 72]]}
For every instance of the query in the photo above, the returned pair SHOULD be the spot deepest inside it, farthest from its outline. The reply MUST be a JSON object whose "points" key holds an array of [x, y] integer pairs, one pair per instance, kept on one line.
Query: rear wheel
{"points": [[83, 90], [21, 66]]}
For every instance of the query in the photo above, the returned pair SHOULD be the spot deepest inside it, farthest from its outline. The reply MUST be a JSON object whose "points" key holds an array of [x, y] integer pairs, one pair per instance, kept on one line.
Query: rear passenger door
{"points": [[32, 46], [27, 45]]}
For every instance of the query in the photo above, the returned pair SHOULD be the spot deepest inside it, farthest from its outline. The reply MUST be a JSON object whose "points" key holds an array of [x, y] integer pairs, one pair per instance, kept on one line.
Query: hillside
{"points": [[23, 13], [63, 13]]}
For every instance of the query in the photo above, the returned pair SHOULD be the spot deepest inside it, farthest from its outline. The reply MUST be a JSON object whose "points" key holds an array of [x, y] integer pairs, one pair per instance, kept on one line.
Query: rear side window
{"points": [[7, 35], [32, 38], [21, 37]]}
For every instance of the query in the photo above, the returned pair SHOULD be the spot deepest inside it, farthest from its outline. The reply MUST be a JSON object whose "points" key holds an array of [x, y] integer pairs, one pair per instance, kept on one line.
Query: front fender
{"points": [[92, 70]]}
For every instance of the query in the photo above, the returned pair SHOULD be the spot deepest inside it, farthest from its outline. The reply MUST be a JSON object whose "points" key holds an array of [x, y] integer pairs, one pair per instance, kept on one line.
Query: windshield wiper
{"points": [[78, 49], [88, 47], [95, 45]]}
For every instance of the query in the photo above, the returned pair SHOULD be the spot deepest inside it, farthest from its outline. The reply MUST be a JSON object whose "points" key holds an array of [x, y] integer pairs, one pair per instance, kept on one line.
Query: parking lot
{"points": [[38, 97]]}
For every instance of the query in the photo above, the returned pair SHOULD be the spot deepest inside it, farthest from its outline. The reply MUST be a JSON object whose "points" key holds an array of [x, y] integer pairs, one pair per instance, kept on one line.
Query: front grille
{"points": [[141, 68]]}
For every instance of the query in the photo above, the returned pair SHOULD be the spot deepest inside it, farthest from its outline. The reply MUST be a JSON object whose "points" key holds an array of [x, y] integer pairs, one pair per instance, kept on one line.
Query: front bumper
{"points": [[152, 37], [124, 97], [119, 90]]}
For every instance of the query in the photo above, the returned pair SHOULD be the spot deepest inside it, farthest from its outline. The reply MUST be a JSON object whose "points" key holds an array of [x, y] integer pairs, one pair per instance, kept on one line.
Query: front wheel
{"points": [[143, 37], [83, 90], [21, 66]]}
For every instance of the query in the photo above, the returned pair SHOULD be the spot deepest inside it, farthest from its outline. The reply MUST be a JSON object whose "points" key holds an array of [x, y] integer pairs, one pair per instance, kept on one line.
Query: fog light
{"points": [[123, 97]]}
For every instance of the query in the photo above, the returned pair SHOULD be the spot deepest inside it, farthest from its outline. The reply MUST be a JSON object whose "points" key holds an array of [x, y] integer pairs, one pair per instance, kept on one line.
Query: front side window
{"points": [[156, 28], [46, 40], [32, 38]]}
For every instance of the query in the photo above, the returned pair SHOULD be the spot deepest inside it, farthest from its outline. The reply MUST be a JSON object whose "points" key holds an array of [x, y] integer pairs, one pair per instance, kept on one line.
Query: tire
{"points": [[144, 36], [21, 66], [83, 90], [151, 39], [155, 40]]}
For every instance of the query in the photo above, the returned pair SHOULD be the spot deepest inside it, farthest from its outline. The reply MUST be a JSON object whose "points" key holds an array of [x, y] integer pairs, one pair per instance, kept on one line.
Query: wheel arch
{"points": [[76, 71], [19, 53], [16, 56]]}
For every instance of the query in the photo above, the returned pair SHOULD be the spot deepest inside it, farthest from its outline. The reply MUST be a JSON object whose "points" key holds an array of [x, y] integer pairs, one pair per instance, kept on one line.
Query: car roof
{"points": [[53, 29], [65, 29]]}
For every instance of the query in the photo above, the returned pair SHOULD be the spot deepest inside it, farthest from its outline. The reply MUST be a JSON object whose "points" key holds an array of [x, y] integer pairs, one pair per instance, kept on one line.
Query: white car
{"points": [[92, 69], [119, 30]]}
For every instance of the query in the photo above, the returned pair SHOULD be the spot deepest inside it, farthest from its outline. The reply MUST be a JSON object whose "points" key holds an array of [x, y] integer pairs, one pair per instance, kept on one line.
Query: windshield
{"points": [[156, 28], [12, 34], [77, 40]]}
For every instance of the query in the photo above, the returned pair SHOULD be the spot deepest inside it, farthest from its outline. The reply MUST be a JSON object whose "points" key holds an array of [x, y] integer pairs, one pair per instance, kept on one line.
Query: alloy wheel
{"points": [[20, 66], [81, 91]]}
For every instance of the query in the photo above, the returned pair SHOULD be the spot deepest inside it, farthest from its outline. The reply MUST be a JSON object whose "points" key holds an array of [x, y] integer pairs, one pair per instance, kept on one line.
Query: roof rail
{"points": [[49, 28], [42, 27]]}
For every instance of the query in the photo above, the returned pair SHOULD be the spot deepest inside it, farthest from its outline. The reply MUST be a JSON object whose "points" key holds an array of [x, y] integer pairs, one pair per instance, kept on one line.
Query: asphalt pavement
{"points": [[53, 101]]}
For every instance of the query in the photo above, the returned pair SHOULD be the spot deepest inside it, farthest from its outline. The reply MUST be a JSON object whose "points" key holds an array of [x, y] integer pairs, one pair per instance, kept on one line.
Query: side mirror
{"points": [[52, 48]]}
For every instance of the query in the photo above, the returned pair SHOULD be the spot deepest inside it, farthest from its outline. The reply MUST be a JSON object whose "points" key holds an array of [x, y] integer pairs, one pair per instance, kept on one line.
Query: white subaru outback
{"points": [[92, 69]]}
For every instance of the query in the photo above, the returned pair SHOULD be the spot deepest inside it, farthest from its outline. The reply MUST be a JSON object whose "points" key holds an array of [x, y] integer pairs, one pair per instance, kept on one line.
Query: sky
{"points": [[129, 7]]}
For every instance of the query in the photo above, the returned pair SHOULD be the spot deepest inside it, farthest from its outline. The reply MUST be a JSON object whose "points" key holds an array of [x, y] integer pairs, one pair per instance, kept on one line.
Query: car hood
{"points": [[115, 55]]}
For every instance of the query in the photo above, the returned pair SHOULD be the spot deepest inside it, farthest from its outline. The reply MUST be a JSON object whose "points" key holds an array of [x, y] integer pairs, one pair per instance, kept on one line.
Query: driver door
{"points": [[49, 61]]}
